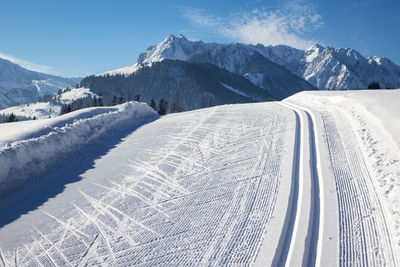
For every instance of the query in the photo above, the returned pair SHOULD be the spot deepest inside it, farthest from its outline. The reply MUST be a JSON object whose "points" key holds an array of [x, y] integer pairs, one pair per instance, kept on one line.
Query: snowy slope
{"points": [[25, 86], [308, 181]]}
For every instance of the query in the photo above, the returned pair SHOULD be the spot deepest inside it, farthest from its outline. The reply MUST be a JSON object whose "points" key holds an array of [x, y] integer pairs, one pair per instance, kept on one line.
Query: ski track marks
{"points": [[364, 238], [300, 240], [205, 197]]}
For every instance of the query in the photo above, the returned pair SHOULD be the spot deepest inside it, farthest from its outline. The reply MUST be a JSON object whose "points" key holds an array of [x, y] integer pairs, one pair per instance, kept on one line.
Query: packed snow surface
{"points": [[309, 181]]}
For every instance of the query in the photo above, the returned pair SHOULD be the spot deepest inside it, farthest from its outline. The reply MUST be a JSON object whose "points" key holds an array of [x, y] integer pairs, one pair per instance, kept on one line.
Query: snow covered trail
{"points": [[291, 183], [364, 236], [196, 188]]}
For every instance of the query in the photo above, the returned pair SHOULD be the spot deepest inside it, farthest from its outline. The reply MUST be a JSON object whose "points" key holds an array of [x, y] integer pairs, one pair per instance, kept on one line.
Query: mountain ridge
{"points": [[21, 86], [323, 67]]}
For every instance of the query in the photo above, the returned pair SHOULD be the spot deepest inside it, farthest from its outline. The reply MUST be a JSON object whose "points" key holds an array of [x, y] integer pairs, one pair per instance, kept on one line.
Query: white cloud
{"points": [[288, 25], [28, 65]]}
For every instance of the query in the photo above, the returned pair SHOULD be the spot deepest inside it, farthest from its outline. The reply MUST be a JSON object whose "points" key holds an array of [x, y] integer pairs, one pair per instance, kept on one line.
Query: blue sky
{"points": [[78, 38]]}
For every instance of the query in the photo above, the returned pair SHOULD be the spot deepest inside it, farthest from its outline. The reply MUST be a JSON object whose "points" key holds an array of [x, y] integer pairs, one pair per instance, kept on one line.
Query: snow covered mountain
{"points": [[19, 85], [322, 67], [245, 61], [334, 68]]}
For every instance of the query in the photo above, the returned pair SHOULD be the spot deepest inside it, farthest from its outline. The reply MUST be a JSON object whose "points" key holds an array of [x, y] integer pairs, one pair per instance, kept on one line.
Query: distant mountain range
{"points": [[323, 67], [20, 86], [201, 74]]}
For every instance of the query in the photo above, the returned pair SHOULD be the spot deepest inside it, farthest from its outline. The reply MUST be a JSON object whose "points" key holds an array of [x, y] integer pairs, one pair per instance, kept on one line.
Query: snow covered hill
{"points": [[42, 110], [323, 67], [309, 181], [21, 86]]}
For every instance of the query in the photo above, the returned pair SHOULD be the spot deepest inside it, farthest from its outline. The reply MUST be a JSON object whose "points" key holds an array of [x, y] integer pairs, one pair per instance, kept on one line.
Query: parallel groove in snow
{"points": [[301, 237]]}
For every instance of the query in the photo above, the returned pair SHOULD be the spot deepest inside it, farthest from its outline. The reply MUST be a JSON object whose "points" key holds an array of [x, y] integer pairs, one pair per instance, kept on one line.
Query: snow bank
{"points": [[23, 158]]}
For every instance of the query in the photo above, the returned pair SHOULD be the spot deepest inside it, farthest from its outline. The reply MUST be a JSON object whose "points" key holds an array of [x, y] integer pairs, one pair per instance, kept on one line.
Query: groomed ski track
{"points": [[267, 184], [300, 243]]}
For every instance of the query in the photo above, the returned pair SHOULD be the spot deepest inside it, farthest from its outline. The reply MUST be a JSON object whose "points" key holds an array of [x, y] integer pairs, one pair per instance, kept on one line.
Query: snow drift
{"points": [[20, 159]]}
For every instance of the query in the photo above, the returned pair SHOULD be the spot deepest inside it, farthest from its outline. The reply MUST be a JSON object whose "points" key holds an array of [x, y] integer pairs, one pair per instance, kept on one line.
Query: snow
{"points": [[40, 110], [43, 110], [22, 158], [25, 86], [255, 78], [75, 93], [122, 71], [236, 91], [311, 181], [372, 117], [323, 67]]}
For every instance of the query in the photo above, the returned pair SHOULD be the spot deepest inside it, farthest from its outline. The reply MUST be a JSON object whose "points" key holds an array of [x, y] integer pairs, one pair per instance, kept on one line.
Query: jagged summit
{"points": [[323, 66], [174, 48]]}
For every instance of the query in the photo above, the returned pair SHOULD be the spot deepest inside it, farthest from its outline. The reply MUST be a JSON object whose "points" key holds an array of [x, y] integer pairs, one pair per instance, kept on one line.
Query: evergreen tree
{"points": [[136, 98], [153, 104], [121, 99], [94, 102], [100, 100], [114, 101], [162, 107], [129, 94], [11, 118], [374, 85], [177, 104]]}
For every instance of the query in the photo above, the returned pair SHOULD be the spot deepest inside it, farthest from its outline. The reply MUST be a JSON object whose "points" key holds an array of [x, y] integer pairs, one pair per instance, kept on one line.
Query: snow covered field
{"points": [[312, 180]]}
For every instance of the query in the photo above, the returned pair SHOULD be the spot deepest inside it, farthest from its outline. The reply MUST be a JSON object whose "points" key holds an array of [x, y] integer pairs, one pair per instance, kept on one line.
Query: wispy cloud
{"points": [[28, 65], [287, 25]]}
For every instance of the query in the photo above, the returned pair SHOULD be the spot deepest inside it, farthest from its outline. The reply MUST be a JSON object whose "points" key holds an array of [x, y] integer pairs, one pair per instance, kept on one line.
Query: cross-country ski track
{"points": [[269, 184]]}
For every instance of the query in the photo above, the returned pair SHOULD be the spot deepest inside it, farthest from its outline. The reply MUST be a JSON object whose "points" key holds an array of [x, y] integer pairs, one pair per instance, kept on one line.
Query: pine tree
{"points": [[11, 118], [374, 85], [162, 107], [114, 101], [94, 101], [121, 99], [153, 104], [177, 104], [100, 100]]}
